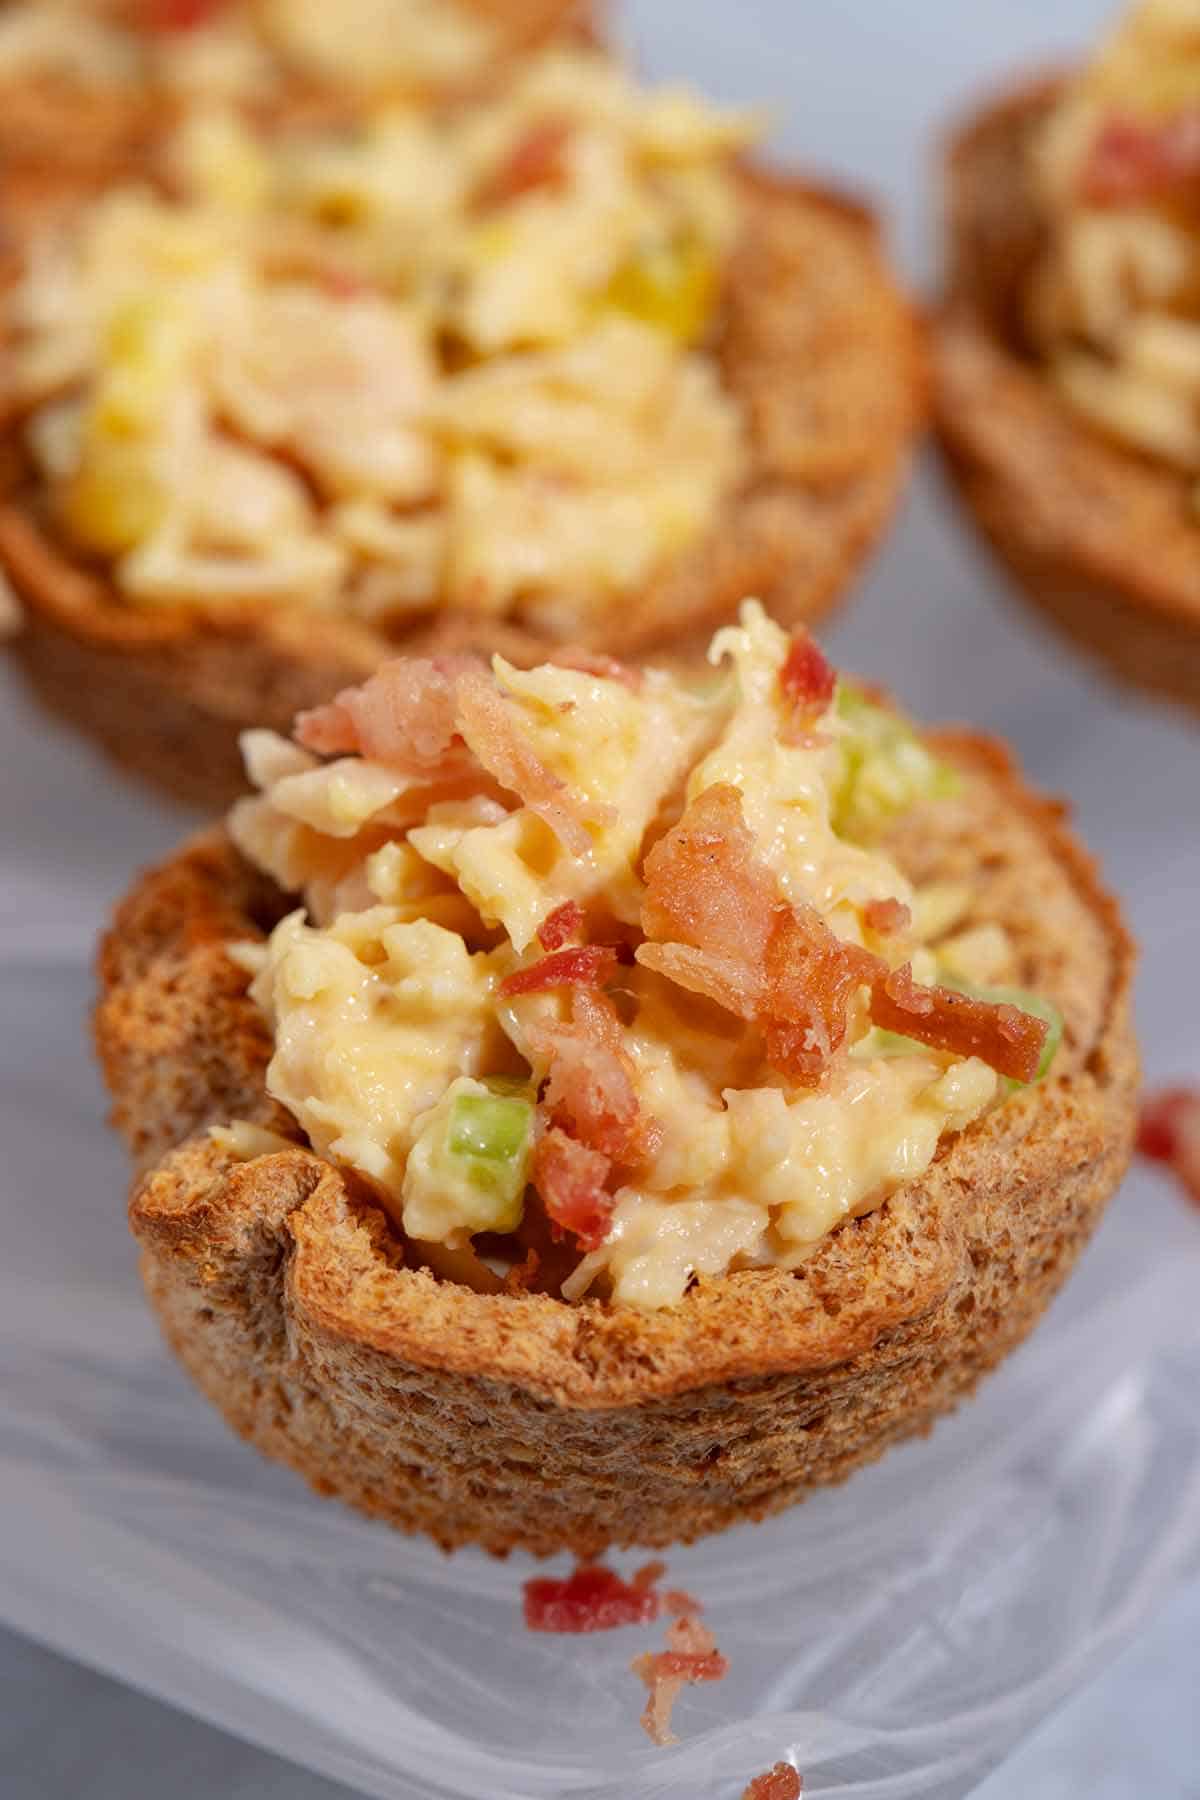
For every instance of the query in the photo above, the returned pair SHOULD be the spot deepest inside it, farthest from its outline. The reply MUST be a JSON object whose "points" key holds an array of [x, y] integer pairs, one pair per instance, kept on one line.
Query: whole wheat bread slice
{"points": [[516, 1419], [1103, 541]]}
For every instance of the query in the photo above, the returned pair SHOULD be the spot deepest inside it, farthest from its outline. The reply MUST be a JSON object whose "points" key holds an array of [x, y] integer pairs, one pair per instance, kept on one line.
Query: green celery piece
{"points": [[491, 1128], [885, 768]]}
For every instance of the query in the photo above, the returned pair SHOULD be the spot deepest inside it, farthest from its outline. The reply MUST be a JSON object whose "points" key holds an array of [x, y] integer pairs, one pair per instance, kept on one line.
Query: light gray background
{"points": [[859, 89]]}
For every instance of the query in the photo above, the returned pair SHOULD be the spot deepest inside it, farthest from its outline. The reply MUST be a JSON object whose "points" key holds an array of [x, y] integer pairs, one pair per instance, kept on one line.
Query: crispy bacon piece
{"points": [[487, 722], [591, 1598], [404, 715], [680, 1604], [691, 1656], [887, 918], [558, 926], [809, 979], [591, 1089], [536, 160], [583, 965], [707, 890], [594, 662], [723, 931], [180, 15], [1009, 1040], [570, 1179], [1133, 160], [1169, 1133], [807, 682], [780, 1782]]}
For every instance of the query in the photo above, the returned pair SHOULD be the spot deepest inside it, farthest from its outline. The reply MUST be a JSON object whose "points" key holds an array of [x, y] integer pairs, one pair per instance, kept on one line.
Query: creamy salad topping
{"points": [[450, 357], [605, 984], [1115, 299]]}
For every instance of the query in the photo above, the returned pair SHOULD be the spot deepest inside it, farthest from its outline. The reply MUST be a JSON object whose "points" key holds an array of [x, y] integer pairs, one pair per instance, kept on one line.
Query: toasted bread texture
{"points": [[1104, 541], [516, 1420], [816, 343]]}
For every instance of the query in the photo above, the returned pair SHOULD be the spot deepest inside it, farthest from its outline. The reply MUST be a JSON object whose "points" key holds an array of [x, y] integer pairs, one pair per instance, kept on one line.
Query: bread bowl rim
{"points": [[580, 1355]]}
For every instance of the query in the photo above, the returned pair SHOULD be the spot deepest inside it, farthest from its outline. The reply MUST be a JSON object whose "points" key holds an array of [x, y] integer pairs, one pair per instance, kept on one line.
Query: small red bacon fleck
{"points": [[559, 926], [571, 1179], [583, 965], [807, 683], [781, 1782], [691, 1656], [1131, 160], [1169, 1133], [887, 918], [591, 1598], [181, 15], [536, 160]]}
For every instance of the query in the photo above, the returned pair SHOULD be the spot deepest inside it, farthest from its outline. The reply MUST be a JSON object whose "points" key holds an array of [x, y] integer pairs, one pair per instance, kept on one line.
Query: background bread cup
{"points": [[517, 1420], [1104, 541], [60, 134], [813, 338]]}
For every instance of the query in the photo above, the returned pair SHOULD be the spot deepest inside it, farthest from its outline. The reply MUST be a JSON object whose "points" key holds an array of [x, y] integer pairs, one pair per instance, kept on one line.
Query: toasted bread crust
{"points": [[518, 1420], [816, 343], [1103, 541]]}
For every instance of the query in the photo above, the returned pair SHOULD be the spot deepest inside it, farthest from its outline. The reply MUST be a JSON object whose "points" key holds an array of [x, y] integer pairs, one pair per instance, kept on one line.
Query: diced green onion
{"points": [[885, 768], [490, 1127]]}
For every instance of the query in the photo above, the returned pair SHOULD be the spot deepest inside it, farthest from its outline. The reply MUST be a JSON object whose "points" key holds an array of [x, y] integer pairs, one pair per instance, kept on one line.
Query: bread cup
{"points": [[516, 1418], [88, 86], [1099, 533], [813, 351]]}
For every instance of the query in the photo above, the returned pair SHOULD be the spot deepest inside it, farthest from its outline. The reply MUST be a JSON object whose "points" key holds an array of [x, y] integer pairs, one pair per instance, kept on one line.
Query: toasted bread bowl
{"points": [[518, 1420], [63, 132], [815, 343], [1102, 540]]}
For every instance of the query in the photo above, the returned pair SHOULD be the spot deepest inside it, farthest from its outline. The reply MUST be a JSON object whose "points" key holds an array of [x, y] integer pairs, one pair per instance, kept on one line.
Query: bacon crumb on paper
{"points": [[691, 1656], [1169, 1133], [781, 1782]]}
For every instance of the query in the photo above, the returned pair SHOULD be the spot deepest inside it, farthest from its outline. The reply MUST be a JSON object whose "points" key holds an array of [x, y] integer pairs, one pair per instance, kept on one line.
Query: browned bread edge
{"points": [[1104, 542], [518, 1420]]}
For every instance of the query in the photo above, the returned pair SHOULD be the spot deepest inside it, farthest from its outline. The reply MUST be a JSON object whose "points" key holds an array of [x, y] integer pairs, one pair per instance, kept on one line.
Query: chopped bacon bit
{"points": [[707, 890], [591, 1090], [536, 160], [563, 923], [781, 1782], [649, 1575], [691, 1656], [718, 927], [521, 1277], [487, 722], [1010, 1040], [181, 15], [887, 918], [570, 1179], [807, 682], [810, 977], [680, 1604], [594, 662], [1131, 160], [1169, 1133], [592, 1598], [584, 965], [404, 715]]}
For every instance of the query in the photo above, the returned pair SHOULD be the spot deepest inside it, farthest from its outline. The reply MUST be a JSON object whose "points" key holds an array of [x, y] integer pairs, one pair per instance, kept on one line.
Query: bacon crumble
{"points": [[691, 1656], [564, 923], [405, 715], [780, 1782], [1131, 160], [571, 1181], [807, 682], [591, 1598], [487, 722], [717, 926], [536, 160], [887, 918], [583, 965], [1169, 1133]]}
